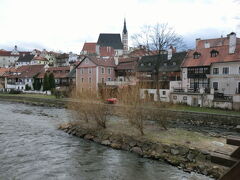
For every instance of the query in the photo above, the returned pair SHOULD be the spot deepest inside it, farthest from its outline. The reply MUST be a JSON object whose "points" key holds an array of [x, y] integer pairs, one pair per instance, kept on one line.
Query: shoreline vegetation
{"points": [[130, 125]]}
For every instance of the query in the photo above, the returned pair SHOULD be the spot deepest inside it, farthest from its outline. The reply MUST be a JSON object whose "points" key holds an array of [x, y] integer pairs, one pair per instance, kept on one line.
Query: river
{"points": [[31, 147]]}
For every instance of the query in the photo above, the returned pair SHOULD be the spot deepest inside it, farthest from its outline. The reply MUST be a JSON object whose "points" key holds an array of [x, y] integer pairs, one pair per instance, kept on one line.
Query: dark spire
{"points": [[124, 27]]}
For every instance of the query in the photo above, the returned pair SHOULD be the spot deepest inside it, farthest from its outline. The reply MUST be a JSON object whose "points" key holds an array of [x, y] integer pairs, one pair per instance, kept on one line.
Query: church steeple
{"points": [[125, 38], [124, 27]]}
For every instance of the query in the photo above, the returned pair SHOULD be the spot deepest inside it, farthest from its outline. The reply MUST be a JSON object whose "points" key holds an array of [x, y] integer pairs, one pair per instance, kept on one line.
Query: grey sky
{"points": [[66, 24]]}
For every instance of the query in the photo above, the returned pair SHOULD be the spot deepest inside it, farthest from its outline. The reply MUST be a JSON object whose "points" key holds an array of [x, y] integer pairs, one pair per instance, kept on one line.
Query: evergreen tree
{"points": [[36, 83], [52, 81], [46, 85]]}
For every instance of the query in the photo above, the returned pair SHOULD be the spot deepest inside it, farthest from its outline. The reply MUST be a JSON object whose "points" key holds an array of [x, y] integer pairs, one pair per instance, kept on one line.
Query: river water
{"points": [[32, 148]]}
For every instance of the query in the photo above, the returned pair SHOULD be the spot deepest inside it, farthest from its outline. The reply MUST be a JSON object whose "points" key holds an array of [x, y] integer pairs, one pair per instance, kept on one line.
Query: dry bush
{"points": [[160, 117], [100, 113], [89, 108], [130, 99]]}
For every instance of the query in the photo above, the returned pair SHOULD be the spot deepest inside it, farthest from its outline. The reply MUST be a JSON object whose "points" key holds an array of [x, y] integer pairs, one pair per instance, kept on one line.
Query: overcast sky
{"points": [[66, 24]]}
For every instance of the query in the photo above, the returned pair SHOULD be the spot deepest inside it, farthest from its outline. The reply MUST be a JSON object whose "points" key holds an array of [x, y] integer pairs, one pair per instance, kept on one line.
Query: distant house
{"points": [[8, 58], [60, 75], [125, 72], [23, 76], [93, 71], [39, 60], [211, 74], [167, 66], [61, 60], [24, 59]]}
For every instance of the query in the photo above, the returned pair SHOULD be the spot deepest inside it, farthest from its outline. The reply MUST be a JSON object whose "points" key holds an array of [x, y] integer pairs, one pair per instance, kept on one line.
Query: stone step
{"points": [[233, 173], [223, 159], [233, 140], [236, 153]]}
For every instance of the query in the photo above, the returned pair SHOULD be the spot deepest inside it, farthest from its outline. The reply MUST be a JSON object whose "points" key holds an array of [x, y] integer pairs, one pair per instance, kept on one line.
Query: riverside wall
{"points": [[183, 157]]}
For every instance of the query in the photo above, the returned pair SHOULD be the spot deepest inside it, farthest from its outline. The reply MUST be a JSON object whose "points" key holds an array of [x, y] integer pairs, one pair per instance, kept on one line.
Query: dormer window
{"points": [[214, 53], [174, 63], [142, 64], [149, 64], [196, 55]]}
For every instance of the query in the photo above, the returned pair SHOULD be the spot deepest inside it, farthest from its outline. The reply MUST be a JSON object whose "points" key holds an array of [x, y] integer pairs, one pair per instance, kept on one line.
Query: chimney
{"points": [[232, 42], [206, 45], [116, 60], [197, 40], [170, 52]]}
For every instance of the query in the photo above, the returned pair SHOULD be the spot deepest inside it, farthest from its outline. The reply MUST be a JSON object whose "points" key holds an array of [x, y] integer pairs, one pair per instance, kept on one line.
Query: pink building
{"points": [[93, 71]]}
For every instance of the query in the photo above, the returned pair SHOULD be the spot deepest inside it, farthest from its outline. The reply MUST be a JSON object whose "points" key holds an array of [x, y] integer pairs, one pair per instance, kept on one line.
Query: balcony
{"points": [[222, 97], [119, 83]]}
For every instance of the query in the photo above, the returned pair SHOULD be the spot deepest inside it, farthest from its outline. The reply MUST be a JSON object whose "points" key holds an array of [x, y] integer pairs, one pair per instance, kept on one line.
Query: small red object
{"points": [[112, 100]]}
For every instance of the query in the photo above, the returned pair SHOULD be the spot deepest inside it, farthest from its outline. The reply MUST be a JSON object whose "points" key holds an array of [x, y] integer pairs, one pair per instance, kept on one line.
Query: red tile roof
{"points": [[39, 58], [27, 71], [89, 47], [142, 52], [205, 58], [58, 72]]}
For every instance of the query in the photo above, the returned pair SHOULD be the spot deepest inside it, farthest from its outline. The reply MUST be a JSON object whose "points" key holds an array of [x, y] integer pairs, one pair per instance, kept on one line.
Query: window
{"points": [[82, 80], [175, 97], [86, 61], [82, 71], [103, 69], [214, 53], [196, 55], [109, 70], [164, 93], [215, 85], [109, 79], [90, 80], [174, 63], [215, 71], [184, 98], [89, 70], [149, 64], [225, 70], [102, 80], [165, 64]]}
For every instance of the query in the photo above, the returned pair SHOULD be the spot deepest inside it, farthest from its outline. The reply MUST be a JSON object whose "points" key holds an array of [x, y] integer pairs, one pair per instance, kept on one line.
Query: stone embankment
{"points": [[186, 158]]}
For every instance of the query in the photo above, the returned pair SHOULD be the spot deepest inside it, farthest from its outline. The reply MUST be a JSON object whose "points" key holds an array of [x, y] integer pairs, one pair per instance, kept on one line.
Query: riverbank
{"points": [[188, 152]]}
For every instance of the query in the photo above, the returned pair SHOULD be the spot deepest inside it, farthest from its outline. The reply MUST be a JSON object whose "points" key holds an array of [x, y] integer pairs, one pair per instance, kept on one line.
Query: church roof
{"points": [[112, 40]]}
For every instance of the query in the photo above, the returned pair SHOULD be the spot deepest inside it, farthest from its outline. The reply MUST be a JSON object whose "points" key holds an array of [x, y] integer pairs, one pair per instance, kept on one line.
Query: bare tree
{"points": [[158, 38]]}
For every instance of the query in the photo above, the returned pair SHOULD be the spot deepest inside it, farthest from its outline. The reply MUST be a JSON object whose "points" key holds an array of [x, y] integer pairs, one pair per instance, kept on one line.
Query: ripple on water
{"points": [[33, 148]]}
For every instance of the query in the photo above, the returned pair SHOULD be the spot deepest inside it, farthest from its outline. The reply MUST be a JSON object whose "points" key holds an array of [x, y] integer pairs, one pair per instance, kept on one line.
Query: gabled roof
{"points": [[150, 63], [58, 72], [112, 40], [127, 64], [27, 71], [89, 47], [25, 58], [205, 58], [105, 62]]}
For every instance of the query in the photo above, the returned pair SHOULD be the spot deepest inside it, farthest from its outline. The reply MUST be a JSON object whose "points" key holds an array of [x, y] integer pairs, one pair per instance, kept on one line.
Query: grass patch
{"points": [[204, 109], [31, 95]]}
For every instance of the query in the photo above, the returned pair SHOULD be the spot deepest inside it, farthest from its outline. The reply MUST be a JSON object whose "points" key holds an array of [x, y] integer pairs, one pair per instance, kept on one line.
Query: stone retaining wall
{"points": [[185, 158]]}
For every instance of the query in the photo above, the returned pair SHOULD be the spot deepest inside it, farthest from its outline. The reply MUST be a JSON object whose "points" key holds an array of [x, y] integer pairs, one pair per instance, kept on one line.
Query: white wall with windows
{"points": [[225, 77]]}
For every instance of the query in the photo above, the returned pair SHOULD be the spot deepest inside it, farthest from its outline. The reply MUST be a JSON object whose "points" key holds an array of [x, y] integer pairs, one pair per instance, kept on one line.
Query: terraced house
{"points": [[211, 74]]}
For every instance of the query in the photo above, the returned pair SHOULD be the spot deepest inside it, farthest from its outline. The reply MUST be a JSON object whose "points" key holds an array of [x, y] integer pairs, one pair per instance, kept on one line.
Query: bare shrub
{"points": [[100, 113], [160, 117]]}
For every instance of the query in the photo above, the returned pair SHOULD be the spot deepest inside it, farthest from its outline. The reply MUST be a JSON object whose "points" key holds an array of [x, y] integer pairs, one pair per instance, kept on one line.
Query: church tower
{"points": [[125, 38]]}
